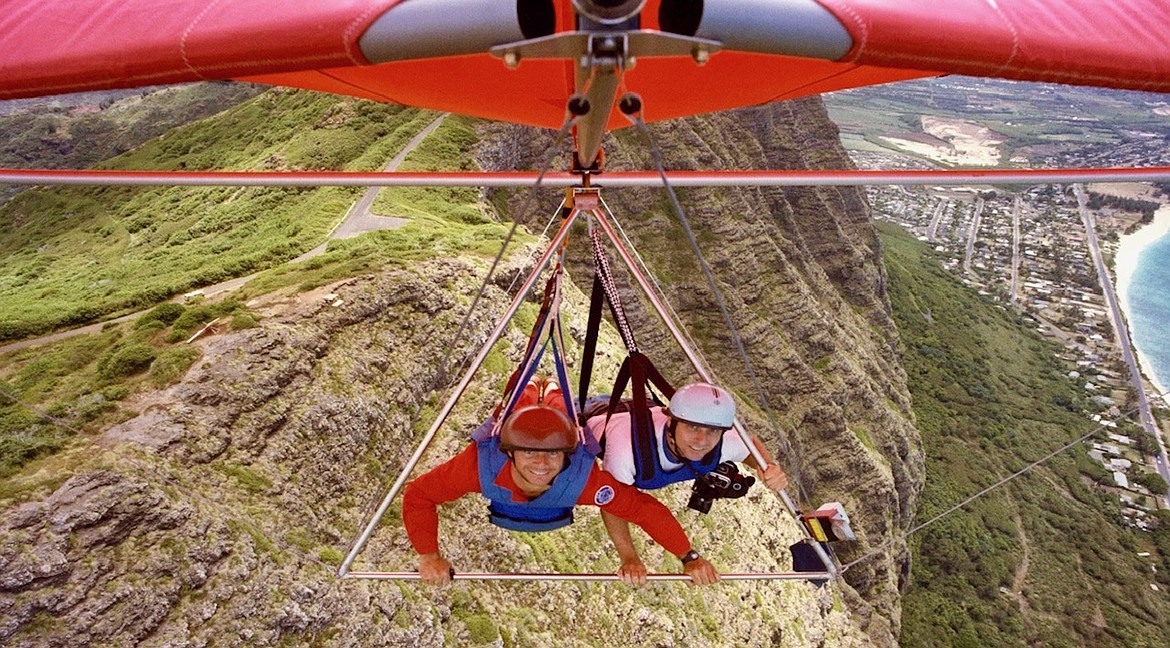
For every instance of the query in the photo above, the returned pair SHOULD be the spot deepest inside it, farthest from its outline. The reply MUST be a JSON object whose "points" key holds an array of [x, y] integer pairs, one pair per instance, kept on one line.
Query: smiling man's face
{"points": [[693, 442], [537, 468]]}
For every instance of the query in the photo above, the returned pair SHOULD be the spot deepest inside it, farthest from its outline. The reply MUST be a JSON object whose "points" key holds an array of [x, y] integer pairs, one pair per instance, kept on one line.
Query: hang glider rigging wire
{"points": [[529, 199], [644, 268]]}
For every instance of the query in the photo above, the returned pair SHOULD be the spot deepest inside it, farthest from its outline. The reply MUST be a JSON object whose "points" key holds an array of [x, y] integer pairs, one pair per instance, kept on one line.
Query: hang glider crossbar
{"points": [[523, 179], [583, 201], [542, 576]]}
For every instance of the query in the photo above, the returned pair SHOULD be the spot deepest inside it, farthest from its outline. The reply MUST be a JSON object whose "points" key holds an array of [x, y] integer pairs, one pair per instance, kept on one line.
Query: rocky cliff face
{"points": [[219, 514]]}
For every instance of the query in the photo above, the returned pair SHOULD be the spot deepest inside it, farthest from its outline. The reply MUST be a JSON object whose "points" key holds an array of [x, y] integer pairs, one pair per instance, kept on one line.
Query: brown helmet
{"points": [[538, 427]]}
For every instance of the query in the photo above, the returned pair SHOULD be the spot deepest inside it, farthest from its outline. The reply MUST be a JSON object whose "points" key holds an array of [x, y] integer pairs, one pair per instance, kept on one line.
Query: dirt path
{"points": [[1022, 574], [357, 221]]}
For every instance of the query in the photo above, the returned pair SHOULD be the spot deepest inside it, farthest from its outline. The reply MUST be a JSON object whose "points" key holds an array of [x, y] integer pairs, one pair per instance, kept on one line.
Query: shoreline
{"points": [[1129, 249]]}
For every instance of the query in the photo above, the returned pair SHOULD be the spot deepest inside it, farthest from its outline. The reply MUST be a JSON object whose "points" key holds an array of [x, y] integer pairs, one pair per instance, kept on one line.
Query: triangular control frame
{"points": [[585, 200]]}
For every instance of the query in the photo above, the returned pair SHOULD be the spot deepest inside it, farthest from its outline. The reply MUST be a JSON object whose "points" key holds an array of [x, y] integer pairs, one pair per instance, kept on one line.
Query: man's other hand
{"points": [[433, 568]]}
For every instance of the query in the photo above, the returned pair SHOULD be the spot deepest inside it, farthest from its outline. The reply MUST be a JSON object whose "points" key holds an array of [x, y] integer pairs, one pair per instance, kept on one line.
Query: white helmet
{"points": [[703, 404]]}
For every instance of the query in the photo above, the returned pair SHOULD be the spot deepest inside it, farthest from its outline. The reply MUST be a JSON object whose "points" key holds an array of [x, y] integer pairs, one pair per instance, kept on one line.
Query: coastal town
{"points": [[1049, 252]]}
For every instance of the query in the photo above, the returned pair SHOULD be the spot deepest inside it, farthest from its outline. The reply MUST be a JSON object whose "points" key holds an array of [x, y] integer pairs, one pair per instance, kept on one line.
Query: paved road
{"points": [[932, 229], [357, 220], [1121, 331], [1014, 294], [972, 235]]}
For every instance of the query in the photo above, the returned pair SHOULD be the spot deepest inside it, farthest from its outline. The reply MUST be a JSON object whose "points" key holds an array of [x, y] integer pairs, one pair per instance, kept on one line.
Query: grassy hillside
{"points": [[56, 394], [79, 130], [1044, 560], [72, 255], [75, 255]]}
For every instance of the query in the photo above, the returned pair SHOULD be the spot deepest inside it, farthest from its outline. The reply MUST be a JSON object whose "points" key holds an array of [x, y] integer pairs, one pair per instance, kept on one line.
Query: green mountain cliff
{"points": [[160, 493], [216, 510]]}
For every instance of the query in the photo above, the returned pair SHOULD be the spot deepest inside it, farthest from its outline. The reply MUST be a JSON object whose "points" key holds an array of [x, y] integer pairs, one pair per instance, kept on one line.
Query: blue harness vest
{"points": [[552, 510], [649, 473]]}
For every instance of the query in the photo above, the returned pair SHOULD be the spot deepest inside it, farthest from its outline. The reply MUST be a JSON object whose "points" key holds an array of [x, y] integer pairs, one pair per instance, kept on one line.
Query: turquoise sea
{"points": [[1148, 310]]}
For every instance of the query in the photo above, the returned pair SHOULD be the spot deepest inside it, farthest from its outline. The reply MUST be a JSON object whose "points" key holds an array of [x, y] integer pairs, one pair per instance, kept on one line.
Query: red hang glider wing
{"points": [[57, 46], [1116, 44], [433, 53]]}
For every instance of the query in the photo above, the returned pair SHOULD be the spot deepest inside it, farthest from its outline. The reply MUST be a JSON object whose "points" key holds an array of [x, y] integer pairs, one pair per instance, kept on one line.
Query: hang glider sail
{"points": [[520, 60]]}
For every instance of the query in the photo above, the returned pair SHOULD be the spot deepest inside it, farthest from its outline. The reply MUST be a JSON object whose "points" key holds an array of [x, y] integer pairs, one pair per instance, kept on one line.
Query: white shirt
{"points": [[619, 451]]}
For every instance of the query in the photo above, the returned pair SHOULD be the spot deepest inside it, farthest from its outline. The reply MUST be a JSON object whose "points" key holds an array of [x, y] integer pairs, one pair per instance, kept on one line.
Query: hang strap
{"points": [[604, 291], [547, 332], [637, 370]]}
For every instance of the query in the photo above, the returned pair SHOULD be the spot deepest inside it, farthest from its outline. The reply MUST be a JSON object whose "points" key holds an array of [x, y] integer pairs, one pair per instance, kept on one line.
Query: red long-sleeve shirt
{"points": [[460, 475]]}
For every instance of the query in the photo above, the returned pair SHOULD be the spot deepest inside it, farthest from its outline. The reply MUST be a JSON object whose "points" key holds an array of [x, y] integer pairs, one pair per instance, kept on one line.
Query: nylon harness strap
{"points": [[639, 372], [546, 331], [532, 351]]}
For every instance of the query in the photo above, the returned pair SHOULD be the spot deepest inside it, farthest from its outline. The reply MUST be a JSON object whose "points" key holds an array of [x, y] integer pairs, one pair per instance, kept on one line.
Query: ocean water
{"points": [[1148, 310]]}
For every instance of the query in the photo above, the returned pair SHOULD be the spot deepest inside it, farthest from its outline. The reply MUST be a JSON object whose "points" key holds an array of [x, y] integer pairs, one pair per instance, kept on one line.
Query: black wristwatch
{"points": [[689, 556]]}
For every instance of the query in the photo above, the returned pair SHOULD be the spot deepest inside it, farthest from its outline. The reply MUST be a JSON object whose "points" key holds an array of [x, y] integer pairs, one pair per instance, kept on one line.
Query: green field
{"points": [[70, 256], [1032, 117]]}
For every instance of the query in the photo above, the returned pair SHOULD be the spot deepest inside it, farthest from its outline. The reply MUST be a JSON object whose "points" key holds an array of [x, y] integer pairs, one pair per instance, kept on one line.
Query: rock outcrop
{"points": [[219, 514]]}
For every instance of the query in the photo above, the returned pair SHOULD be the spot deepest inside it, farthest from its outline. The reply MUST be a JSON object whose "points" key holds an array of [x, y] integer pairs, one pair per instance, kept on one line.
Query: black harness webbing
{"points": [[639, 373], [604, 291], [637, 370]]}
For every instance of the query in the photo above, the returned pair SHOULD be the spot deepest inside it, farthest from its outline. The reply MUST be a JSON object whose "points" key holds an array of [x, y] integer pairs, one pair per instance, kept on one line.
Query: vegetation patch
{"points": [[481, 629], [126, 361], [55, 391], [991, 397], [162, 315], [259, 539], [331, 556], [251, 479], [170, 364]]}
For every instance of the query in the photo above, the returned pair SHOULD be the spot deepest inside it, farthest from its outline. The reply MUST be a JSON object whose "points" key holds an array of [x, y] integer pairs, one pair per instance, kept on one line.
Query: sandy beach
{"points": [[1129, 249], [1131, 246]]}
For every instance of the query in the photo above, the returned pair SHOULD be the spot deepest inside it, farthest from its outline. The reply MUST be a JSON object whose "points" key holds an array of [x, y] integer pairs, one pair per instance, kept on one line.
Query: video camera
{"points": [[724, 482]]}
